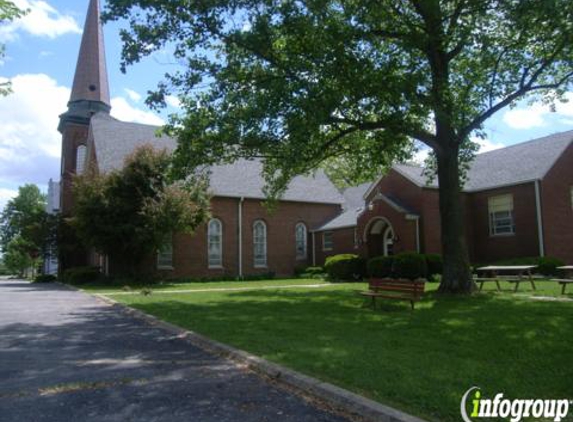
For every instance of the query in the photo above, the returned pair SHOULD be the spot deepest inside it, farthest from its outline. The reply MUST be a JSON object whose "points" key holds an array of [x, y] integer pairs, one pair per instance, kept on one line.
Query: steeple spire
{"points": [[90, 81], [90, 91]]}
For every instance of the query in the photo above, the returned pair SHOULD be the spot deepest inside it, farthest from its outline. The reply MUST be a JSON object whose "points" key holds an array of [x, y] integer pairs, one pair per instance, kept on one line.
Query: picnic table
{"points": [[565, 281], [517, 274]]}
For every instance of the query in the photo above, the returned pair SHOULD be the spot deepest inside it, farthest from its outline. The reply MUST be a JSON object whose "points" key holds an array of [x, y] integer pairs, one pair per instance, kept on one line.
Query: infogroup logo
{"points": [[513, 410]]}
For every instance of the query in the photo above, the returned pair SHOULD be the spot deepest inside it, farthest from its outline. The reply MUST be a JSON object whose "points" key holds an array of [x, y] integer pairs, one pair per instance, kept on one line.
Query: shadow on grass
{"points": [[421, 361]]}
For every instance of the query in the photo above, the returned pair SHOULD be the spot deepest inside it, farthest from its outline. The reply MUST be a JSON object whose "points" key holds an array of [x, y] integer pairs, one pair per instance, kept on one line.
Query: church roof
{"points": [[114, 140], [90, 80], [513, 165], [353, 206]]}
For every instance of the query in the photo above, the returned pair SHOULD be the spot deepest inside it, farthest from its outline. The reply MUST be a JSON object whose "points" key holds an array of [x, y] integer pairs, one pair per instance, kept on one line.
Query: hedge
{"points": [[345, 267], [410, 265], [380, 266], [45, 278], [81, 275]]}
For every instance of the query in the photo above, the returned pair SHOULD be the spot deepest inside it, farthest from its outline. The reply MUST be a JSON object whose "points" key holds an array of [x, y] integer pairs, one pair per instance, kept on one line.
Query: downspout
{"points": [[539, 218], [313, 249], [240, 235]]}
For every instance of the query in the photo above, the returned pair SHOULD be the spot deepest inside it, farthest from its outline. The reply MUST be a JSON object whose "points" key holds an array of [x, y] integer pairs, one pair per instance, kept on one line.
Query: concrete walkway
{"points": [[65, 356]]}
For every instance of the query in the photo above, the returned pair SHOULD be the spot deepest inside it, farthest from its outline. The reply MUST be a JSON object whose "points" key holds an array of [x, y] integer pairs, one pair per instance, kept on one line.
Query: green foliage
{"points": [[310, 272], [545, 265], [20, 257], [410, 265], [380, 266], [45, 278], [435, 265], [345, 267], [81, 275], [8, 13], [303, 83], [130, 213]]}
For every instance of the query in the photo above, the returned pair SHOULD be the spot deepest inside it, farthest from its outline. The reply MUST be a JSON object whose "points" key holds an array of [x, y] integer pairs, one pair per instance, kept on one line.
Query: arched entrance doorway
{"points": [[379, 237]]}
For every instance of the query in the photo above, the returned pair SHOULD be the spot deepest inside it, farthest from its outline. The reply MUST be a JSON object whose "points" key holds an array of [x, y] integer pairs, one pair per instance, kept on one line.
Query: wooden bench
{"points": [[564, 282], [408, 290]]}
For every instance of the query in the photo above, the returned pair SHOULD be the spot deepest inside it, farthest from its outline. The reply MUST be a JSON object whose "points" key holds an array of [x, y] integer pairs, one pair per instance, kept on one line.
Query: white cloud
{"points": [[122, 110], [173, 101], [134, 96], [5, 196], [43, 20], [537, 115], [30, 144]]}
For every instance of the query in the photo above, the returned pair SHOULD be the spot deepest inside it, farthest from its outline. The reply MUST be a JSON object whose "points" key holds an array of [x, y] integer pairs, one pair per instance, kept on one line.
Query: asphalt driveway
{"points": [[65, 356]]}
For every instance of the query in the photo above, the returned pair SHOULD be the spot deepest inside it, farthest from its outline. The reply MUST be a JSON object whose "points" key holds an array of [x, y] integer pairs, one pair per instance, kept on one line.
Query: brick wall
{"points": [[190, 251], [73, 136], [342, 241], [557, 209], [524, 243]]}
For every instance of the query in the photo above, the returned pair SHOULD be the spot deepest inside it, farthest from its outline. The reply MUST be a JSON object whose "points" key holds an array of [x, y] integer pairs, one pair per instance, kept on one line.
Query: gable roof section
{"points": [[353, 206], [114, 140], [513, 165]]}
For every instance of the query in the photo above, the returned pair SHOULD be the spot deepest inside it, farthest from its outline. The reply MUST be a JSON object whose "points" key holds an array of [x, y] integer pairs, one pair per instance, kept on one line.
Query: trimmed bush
{"points": [[45, 278], [81, 275], [311, 272], [380, 266], [410, 265], [345, 267], [435, 265]]}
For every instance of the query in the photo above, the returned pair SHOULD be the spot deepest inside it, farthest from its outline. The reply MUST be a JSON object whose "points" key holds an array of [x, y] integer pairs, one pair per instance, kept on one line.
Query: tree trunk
{"points": [[457, 276]]}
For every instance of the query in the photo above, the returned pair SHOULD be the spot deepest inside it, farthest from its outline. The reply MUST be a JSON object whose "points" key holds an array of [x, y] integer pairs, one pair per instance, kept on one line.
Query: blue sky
{"points": [[40, 61]]}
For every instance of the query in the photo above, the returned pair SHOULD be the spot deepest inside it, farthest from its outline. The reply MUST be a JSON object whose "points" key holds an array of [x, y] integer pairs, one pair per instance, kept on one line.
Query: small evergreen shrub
{"points": [[435, 265], [410, 265], [311, 272], [81, 275], [380, 266], [45, 278], [345, 267]]}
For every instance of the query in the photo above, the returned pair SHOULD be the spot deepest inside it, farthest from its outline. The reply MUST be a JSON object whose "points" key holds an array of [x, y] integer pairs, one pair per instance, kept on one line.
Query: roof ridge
{"points": [[530, 141]]}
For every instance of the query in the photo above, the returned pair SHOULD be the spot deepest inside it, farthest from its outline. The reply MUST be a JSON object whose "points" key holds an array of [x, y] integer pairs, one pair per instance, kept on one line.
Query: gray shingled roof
{"points": [[114, 140], [353, 206], [520, 163]]}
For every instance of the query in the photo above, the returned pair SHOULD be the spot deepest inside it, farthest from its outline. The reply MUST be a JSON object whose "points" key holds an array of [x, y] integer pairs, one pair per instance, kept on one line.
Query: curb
{"points": [[336, 398]]}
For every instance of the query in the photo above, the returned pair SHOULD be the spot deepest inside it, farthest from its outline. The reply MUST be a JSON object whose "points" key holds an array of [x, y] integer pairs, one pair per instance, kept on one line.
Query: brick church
{"points": [[518, 200]]}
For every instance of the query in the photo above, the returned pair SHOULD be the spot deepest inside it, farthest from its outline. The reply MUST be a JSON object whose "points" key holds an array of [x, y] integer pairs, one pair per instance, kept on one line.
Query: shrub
{"points": [[345, 267], [311, 272], [380, 266], [435, 266], [45, 278], [81, 275], [410, 265]]}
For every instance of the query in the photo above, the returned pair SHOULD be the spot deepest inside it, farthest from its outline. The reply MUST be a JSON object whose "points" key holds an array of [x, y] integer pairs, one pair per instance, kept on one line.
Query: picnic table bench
{"points": [[564, 281], [520, 273], [397, 289]]}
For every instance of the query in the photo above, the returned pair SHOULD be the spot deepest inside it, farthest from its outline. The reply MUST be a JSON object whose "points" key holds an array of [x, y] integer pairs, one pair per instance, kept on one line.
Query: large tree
{"points": [[129, 214], [299, 82], [8, 12]]}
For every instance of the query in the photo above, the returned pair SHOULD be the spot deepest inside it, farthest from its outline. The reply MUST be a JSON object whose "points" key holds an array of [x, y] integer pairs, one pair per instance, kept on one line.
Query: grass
{"points": [[421, 362]]}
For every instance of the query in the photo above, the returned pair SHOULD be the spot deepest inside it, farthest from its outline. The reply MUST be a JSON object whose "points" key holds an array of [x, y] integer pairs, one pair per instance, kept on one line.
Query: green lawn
{"points": [[421, 362]]}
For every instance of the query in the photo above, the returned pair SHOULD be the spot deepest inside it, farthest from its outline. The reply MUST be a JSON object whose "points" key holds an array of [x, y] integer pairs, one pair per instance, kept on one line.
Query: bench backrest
{"points": [[414, 288]]}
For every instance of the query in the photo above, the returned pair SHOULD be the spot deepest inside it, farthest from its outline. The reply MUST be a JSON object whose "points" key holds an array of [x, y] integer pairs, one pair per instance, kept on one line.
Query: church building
{"points": [[518, 200]]}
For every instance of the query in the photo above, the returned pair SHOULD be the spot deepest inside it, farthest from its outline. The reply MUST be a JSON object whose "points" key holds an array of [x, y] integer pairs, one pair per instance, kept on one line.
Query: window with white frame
{"points": [[501, 221], [260, 244], [215, 243], [165, 255], [81, 159], [327, 242], [301, 241]]}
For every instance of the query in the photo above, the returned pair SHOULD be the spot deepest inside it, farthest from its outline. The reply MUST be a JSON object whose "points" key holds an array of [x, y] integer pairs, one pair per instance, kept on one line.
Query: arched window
{"points": [[301, 241], [215, 243], [260, 244], [81, 159]]}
